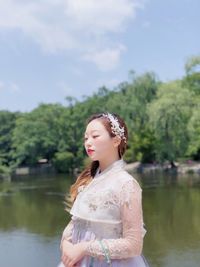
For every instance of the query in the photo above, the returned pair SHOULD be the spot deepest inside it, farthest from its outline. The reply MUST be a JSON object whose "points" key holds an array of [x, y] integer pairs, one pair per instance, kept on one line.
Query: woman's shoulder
{"points": [[124, 178]]}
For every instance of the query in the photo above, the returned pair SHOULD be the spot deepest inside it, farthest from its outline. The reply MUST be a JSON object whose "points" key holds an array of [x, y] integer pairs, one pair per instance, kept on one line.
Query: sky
{"points": [[52, 49]]}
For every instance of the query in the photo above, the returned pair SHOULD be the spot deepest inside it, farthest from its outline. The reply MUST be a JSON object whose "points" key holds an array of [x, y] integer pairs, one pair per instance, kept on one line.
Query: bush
{"points": [[63, 162], [190, 171], [5, 171]]}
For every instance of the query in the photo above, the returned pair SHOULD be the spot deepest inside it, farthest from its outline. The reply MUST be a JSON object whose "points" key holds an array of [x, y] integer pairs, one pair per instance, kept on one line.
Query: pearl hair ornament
{"points": [[115, 126]]}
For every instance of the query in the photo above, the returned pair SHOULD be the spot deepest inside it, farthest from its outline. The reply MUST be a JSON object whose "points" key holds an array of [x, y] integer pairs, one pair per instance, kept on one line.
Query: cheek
{"points": [[103, 143]]}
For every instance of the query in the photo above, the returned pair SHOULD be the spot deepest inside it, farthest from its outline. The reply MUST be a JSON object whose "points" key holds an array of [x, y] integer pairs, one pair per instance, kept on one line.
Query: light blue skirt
{"points": [[138, 261], [86, 235]]}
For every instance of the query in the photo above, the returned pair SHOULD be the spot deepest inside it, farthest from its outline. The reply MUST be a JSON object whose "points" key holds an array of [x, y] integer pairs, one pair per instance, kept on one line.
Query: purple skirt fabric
{"points": [[85, 235]]}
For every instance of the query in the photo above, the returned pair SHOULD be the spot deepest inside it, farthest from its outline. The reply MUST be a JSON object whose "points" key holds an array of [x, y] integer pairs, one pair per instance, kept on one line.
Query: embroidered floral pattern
{"points": [[110, 208], [131, 242], [103, 200]]}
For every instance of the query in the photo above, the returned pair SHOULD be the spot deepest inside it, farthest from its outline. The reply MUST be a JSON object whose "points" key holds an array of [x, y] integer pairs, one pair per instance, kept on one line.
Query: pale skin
{"points": [[105, 150]]}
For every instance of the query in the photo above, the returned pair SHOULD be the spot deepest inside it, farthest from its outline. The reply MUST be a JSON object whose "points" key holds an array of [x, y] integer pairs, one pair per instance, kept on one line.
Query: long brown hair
{"points": [[86, 175]]}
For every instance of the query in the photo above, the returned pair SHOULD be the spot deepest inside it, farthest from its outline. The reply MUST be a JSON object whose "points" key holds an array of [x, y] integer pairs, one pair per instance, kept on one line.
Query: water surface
{"points": [[32, 218]]}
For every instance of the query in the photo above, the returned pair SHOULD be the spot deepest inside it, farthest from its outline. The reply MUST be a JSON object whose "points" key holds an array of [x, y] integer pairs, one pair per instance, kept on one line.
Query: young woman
{"points": [[106, 228]]}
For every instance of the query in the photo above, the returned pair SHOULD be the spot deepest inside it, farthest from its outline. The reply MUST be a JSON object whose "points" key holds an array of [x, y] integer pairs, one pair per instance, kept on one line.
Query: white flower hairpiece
{"points": [[115, 126]]}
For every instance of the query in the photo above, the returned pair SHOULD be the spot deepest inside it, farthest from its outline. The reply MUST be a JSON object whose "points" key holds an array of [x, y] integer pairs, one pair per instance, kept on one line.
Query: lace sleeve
{"points": [[67, 233], [131, 242]]}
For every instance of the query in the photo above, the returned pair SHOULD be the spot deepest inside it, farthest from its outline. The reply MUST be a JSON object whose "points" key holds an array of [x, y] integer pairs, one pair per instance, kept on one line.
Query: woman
{"points": [[106, 228]]}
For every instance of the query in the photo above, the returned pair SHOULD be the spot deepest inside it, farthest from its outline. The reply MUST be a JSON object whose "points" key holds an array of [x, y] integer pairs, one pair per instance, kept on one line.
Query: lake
{"points": [[32, 218]]}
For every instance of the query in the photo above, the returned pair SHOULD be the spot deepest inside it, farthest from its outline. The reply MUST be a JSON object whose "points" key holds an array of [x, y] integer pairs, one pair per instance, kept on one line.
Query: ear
{"points": [[116, 141]]}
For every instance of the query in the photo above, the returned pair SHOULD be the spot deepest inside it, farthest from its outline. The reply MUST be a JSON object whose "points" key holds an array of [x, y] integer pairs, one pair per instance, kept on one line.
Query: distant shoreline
{"points": [[191, 167]]}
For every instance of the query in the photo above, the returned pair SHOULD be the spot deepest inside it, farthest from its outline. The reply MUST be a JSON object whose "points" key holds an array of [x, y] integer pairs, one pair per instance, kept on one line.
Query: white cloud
{"points": [[100, 16], [1, 86], [13, 87], [9, 87], [37, 21], [146, 24], [78, 25], [106, 59], [64, 88]]}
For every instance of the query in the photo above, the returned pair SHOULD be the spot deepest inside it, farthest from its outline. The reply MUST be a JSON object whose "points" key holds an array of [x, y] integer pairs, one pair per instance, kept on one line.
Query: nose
{"points": [[88, 143]]}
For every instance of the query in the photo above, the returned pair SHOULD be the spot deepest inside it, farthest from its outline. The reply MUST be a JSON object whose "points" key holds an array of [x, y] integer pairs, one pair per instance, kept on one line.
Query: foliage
{"points": [[169, 116], [7, 125], [5, 170], [162, 119], [131, 99], [192, 78], [63, 161], [38, 134], [194, 132], [191, 64]]}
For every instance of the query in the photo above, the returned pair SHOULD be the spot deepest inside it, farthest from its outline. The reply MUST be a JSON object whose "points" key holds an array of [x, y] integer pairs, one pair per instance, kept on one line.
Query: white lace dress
{"points": [[109, 209]]}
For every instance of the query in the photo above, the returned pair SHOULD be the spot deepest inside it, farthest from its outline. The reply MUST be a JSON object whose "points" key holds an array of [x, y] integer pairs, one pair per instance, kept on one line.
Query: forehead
{"points": [[95, 125]]}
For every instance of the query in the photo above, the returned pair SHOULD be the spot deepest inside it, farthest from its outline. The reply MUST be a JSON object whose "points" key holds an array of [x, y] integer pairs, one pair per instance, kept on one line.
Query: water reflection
{"points": [[172, 215], [20, 248], [32, 218], [36, 206]]}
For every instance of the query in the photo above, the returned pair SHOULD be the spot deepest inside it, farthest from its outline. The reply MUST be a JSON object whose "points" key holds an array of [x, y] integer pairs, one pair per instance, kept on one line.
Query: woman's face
{"points": [[98, 143]]}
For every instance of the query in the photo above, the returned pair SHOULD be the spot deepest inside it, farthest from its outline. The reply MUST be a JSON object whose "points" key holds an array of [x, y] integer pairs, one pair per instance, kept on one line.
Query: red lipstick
{"points": [[90, 151]]}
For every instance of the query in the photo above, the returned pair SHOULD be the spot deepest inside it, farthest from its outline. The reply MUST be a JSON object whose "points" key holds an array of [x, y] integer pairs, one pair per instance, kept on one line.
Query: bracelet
{"points": [[91, 262], [106, 252]]}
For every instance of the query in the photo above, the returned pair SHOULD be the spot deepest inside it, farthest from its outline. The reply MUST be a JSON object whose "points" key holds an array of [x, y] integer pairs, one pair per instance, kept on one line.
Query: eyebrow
{"points": [[92, 131]]}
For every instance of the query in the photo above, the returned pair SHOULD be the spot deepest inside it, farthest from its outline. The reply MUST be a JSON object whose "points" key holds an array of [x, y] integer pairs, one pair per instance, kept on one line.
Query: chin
{"points": [[93, 158]]}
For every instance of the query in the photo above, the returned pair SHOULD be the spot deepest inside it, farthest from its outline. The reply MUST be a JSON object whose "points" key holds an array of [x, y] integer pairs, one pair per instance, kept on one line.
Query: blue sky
{"points": [[56, 48]]}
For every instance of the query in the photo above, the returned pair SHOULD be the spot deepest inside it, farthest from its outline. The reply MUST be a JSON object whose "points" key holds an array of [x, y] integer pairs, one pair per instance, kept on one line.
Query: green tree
{"points": [[194, 133], [162, 119], [169, 116], [7, 125], [37, 134], [142, 91], [63, 161], [130, 100], [192, 78]]}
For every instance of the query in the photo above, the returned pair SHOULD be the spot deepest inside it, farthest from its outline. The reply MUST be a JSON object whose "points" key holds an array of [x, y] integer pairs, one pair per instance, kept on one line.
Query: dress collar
{"points": [[118, 164]]}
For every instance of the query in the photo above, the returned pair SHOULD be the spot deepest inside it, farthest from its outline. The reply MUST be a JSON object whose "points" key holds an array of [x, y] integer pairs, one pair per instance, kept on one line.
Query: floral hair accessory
{"points": [[115, 126]]}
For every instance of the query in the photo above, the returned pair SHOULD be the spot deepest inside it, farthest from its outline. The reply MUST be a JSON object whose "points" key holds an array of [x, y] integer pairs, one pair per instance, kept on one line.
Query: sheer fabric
{"points": [[131, 242], [109, 209], [67, 233]]}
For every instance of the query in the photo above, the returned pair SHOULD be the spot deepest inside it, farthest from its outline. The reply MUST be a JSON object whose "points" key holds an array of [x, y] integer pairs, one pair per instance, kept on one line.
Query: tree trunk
{"points": [[173, 166]]}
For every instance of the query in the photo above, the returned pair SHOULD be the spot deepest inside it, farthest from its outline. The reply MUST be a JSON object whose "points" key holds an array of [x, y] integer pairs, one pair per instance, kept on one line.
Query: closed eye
{"points": [[94, 136]]}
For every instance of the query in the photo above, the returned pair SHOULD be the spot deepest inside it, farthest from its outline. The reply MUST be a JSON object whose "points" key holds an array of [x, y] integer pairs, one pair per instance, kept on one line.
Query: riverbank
{"points": [[182, 168], [190, 167]]}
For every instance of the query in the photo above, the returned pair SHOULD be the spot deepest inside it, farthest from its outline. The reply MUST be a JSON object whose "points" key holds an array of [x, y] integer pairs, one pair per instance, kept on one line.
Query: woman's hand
{"points": [[72, 254]]}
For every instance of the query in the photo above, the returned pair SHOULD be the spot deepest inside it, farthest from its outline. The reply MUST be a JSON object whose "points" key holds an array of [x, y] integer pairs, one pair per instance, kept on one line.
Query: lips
{"points": [[90, 151]]}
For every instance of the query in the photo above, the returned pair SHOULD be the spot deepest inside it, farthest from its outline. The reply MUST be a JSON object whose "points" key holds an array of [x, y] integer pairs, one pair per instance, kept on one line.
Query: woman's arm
{"points": [[131, 243], [67, 233]]}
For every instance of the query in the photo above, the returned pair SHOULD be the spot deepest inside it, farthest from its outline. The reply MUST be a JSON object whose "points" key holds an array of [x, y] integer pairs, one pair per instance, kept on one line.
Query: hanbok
{"points": [[108, 211]]}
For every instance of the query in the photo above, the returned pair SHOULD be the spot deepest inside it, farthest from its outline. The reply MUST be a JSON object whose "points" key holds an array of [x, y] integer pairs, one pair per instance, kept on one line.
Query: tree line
{"points": [[163, 119]]}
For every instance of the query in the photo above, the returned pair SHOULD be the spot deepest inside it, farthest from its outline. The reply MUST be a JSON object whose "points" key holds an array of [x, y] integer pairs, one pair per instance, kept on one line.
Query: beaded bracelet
{"points": [[106, 252], [91, 262]]}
